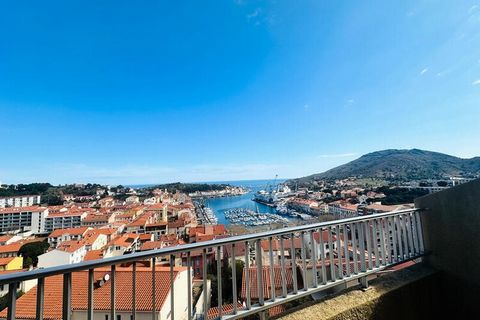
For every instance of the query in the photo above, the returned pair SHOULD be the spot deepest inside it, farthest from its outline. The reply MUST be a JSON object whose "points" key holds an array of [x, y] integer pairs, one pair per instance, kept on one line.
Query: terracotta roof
{"points": [[93, 217], [22, 209], [70, 246], [151, 245], [252, 271], [90, 237], [12, 247], [70, 231], [5, 261], [145, 237], [26, 304], [213, 313], [64, 214], [93, 255], [107, 231], [5, 238]]}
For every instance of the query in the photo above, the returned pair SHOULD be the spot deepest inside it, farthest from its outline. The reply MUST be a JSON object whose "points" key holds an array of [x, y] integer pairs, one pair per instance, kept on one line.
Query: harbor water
{"points": [[220, 205]]}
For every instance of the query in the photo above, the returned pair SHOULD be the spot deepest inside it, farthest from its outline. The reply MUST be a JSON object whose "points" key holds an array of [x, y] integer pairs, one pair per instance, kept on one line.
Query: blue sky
{"points": [[156, 91]]}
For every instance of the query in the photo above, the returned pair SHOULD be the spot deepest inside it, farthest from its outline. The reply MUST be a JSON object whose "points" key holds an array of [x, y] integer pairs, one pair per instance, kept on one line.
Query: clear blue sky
{"points": [[157, 91]]}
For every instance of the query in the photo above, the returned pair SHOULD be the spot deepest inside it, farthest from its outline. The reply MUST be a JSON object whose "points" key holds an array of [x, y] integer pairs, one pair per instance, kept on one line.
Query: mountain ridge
{"points": [[401, 164]]}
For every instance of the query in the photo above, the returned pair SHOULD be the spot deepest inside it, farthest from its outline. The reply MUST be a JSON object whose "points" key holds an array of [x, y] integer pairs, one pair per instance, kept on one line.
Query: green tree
{"points": [[227, 287], [30, 252]]}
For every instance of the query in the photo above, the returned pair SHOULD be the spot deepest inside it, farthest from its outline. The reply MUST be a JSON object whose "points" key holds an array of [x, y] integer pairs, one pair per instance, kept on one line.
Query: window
{"points": [[106, 317], [119, 317]]}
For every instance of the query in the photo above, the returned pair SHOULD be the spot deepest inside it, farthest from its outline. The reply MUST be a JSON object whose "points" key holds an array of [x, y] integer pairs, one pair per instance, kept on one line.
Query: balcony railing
{"points": [[326, 254]]}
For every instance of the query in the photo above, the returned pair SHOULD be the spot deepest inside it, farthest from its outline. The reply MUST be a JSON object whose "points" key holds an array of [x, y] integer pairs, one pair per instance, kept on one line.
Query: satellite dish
{"points": [[106, 277]]}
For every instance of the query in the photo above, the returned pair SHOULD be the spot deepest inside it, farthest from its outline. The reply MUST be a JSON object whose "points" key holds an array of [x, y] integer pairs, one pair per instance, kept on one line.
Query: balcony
{"points": [[417, 262]]}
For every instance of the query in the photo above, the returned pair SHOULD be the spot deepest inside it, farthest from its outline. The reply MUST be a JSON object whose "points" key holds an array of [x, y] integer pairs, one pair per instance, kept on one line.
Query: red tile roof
{"points": [[69, 231], [93, 255], [5, 261], [22, 209], [26, 304], [252, 271]]}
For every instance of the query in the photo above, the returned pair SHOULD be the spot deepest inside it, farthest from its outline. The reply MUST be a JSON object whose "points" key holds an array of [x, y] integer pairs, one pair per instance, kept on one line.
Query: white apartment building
{"points": [[64, 220], [23, 219], [67, 253], [19, 201]]}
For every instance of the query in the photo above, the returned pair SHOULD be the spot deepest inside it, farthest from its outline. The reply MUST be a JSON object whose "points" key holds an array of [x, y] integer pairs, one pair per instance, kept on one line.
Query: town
{"points": [[116, 221]]}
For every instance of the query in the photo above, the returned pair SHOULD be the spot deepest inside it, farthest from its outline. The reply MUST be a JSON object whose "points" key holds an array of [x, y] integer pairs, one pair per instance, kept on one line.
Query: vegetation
{"points": [[189, 187], [30, 252], [397, 166], [400, 195], [4, 299], [227, 288], [24, 189]]}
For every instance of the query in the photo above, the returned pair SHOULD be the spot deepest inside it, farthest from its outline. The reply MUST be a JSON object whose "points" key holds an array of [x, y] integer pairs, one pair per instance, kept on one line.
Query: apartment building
{"points": [[19, 201], [23, 219], [64, 220]]}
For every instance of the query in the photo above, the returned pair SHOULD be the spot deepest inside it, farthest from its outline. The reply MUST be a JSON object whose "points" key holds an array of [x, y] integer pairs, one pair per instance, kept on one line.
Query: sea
{"points": [[220, 205]]}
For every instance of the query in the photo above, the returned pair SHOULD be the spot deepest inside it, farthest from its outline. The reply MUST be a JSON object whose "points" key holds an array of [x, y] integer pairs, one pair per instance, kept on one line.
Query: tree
{"points": [[227, 287], [442, 183], [30, 252]]}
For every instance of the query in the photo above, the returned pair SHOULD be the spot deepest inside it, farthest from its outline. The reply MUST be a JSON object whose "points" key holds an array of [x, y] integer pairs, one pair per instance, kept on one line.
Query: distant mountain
{"points": [[394, 164]]}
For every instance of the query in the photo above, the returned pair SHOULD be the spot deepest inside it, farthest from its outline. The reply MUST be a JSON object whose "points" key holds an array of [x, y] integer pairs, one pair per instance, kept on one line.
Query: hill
{"points": [[395, 164]]}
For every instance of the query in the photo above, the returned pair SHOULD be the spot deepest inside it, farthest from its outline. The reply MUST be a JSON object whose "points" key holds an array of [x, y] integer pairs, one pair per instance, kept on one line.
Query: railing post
{"points": [[12, 300], [420, 232], [247, 274], [304, 261], [330, 254], [134, 291], [154, 288], [40, 298], [234, 279], [172, 287], [346, 253], [294, 264], [339, 252], [113, 312], [205, 296], [313, 259], [284, 277], [67, 296], [272, 271], [322, 257], [259, 272], [189, 284], [90, 294], [361, 240], [219, 281], [353, 232]]}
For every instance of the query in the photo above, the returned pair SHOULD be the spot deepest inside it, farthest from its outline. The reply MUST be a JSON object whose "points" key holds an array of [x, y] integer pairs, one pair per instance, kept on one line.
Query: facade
{"points": [[67, 253], [64, 220], [19, 201], [60, 235], [23, 219]]}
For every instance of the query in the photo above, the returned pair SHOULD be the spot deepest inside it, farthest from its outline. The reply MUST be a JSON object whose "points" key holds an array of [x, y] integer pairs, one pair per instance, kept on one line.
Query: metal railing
{"points": [[326, 254]]}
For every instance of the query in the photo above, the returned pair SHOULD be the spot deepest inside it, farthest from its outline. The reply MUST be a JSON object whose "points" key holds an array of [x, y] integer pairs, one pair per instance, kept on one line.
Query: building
{"points": [[342, 209], [11, 263], [60, 235], [101, 308], [23, 219], [64, 220], [19, 201], [67, 252]]}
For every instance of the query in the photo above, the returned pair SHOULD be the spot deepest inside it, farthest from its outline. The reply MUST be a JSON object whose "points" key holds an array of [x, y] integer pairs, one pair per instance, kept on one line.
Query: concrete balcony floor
{"points": [[405, 294]]}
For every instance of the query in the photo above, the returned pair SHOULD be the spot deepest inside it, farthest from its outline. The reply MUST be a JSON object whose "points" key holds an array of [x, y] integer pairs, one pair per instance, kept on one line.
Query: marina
{"points": [[205, 215], [249, 217]]}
